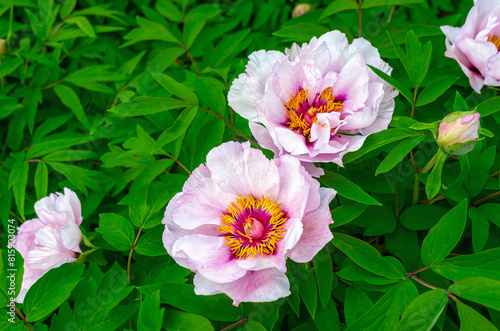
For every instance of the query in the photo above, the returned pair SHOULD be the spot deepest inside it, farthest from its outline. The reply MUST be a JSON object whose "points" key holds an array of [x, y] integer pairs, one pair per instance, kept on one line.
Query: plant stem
{"points": [[430, 164], [180, 164], [130, 255], [228, 124], [484, 199], [390, 15], [243, 320], [360, 19], [194, 63], [21, 316]]}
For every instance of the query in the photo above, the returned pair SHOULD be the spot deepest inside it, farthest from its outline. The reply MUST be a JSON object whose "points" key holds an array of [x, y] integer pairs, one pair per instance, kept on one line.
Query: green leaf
{"points": [[459, 103], [338, 6], [366, 256], [182, 321], [356, 304], [471, 320], [489, 106], [117, 230], [41, 180], [148, 30], [88, 78], [433, 184], [355, 273], [84, 25], [347, 189], [179, 127], [69, 98], [481, 290], [398, 153], [396, 84], [305, 280], [151, 243], [67, 8], [484, 264], [435, 89], [418, 57], [215, 307], [323, 269], [150, 315], [192, 27], [327, 319], [346, 213], [18, 180], [51, 290], [209, 136], [378, 3], [9, 66], [53, 145], [480, 228], [421, 217], [148, 105], [443, 237], [384, 314], [479, 171], [177, 89], [377, 140], [301, 32], [492, 211], [424, 311]]}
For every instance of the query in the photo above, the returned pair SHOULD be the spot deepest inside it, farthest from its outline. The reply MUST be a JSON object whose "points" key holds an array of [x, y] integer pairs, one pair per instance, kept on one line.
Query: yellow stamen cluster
{"points": [[495, 40], [301, 122], [234, 229]]}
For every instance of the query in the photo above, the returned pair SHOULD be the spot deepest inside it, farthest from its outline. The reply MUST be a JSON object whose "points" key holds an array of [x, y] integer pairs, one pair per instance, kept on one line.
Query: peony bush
{"points": [[250, 165]]}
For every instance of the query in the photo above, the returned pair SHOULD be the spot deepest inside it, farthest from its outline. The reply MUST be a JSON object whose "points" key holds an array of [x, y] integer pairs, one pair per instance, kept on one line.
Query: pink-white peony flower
{"points": [[50, 240], [476, 44], [238, 219], [458, 132], [316, 102]]}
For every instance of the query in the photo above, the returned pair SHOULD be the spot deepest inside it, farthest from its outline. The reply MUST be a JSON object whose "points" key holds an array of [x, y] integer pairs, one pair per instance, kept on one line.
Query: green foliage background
{"points": [[120, 100]]}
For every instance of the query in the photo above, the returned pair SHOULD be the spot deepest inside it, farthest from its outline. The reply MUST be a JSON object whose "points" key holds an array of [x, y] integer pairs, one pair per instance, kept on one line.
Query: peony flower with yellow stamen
{"points": [[240, 216], [316, 102]]}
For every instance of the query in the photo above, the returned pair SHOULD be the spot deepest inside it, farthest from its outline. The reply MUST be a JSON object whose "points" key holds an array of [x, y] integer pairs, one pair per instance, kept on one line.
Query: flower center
{"points": [[495, 40], [302, 114], [252, 226]]}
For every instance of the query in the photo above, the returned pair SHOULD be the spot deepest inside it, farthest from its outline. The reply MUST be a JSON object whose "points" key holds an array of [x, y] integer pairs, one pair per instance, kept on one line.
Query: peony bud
{"points": [[458, 132], [3, 47], [301, 9]]}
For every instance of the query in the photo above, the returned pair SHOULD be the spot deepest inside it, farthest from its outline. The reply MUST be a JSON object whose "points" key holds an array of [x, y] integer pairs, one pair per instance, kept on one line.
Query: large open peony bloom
{"points": [[238, 219], [50, 240], [476, 44], [316, 102]]}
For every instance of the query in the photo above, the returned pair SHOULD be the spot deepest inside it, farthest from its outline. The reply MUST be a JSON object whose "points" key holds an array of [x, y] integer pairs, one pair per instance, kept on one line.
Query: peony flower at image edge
{"points": [[50, 240], [238, 219]]}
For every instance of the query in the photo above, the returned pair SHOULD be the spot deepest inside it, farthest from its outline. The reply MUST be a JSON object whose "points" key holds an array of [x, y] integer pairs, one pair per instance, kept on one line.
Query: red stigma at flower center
{"points": [[302, 114], [252, 226]]}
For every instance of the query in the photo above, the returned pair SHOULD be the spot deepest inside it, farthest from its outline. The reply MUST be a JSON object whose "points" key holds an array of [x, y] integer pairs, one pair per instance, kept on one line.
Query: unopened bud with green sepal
{"points": [[458, 132]]}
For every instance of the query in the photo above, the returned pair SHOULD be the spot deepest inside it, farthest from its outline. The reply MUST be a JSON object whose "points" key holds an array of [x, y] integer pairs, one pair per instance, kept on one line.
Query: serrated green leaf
{"points": [[51, 290], [346, 188], [444, 236], [365, 256]]}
